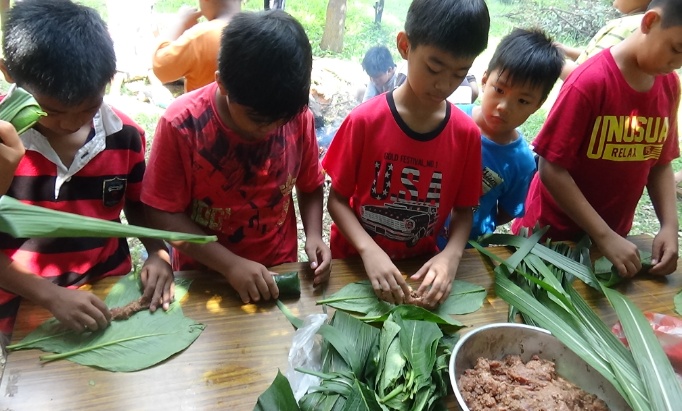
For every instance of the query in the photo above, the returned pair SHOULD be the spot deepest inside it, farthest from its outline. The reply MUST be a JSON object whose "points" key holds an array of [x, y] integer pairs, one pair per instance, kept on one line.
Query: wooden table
{"points": [[237, 356]]}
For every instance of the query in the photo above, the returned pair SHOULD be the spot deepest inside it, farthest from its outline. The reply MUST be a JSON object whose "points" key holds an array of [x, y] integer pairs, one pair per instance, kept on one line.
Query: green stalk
{"points": [[53, 357], [19, 346], [394, 393]]}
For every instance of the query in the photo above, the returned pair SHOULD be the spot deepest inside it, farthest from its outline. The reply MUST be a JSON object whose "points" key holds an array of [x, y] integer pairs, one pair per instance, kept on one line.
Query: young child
{"points": [[520, 75], [612, 132], [402, 162], [234, 150], [379, 66], [611, 34], [83, 158], [189, 49]]}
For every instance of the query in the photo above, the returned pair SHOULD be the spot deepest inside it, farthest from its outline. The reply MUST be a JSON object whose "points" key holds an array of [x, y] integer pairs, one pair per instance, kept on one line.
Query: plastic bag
{"points": [[305, 353], [668, 331]]}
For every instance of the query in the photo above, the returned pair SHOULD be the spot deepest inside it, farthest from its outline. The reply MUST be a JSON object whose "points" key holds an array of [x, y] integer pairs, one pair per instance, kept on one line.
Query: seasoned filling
{"points": [[511, 385]]}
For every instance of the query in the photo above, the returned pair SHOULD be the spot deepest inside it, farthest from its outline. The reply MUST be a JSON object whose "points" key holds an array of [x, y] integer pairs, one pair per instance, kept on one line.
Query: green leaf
{"points": [[289, 284], [361, 398], [20, 109], [28, 221], [139, 342], [678, 302], [663, 389], [278, 396]]}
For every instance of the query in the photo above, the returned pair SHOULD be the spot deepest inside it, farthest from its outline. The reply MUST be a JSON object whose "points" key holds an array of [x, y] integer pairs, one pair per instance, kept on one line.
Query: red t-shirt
{"points": [[401, 184], [233, 188], [608, 136]]}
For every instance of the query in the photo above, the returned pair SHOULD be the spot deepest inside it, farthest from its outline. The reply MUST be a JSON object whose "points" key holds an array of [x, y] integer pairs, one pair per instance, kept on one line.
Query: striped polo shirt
{"points": [[106, 172]]}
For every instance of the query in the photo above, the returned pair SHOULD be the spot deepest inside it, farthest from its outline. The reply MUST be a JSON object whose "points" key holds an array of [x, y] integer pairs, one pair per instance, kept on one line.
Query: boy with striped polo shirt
{"points": [[84, 158]]}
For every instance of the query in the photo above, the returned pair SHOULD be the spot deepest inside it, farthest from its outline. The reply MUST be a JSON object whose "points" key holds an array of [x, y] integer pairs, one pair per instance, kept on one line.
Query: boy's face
{"points": [[433, 74], [661, 49], [61, 120], [506, 105], [380, 80]]}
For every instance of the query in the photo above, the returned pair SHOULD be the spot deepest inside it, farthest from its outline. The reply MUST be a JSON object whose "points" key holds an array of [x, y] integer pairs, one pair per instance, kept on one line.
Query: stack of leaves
{"points": [[28, 221], [642, 375], [401, 366], [139, 342]]}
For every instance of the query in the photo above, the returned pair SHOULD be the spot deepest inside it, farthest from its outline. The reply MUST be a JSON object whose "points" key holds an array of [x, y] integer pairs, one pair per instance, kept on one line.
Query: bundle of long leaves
{"points": [[28, 221], [402, 366], [139, 342], [537, 281]]}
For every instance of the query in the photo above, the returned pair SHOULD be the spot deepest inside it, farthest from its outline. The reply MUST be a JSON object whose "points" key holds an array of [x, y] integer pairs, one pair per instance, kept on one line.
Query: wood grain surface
{"points": [[237, 356]]}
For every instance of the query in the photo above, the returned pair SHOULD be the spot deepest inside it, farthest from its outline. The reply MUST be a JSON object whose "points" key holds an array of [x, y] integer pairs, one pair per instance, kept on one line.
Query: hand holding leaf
{"points": [[387, 281]]}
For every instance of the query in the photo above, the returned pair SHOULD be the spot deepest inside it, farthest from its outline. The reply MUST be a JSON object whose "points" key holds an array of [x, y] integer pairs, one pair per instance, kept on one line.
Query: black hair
{"points": [[528, 57], [377, 60], [459, 27], [58, 48], [671, 12], [265, 62]]}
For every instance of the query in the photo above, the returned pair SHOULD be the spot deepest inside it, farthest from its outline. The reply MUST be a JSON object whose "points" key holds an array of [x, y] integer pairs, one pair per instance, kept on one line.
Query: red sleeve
{"points": [[310, 175], [671, 147], [338, 162], [167, 181]]}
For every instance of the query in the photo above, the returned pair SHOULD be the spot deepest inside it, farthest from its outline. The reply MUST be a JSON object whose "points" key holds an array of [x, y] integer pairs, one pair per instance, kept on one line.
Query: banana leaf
{"points": [[278, 396], [139, 342], [289, 284], [28, 221], [359, 297], [678, 303]]}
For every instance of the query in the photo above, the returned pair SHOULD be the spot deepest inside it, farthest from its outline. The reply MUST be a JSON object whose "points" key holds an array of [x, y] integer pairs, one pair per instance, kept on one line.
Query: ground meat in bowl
{"points": [[511, 385]]}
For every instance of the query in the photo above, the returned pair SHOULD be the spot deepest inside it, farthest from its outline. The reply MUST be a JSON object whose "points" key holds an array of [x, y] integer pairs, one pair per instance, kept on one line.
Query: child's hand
{"points": [[252, 281], [622, 253], [79, 310], [386, 279], [438, 274], [320, 257], [157, 282], [664, 253], [11, 151], [188, 16]]}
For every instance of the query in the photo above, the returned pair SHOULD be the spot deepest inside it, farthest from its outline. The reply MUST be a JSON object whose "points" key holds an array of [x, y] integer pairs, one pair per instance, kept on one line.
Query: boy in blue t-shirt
{"points": [[520, 75]]}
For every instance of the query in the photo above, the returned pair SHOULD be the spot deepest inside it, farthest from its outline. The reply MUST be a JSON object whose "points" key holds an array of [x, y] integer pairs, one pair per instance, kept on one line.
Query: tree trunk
{"points": [[332, 38], [378, 11]]}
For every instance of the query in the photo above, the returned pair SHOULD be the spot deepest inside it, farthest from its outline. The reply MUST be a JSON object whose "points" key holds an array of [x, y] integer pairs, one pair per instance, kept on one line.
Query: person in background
{"points": [[403, 161], [84, 157], [520, 75], [611, 34], [379, 66], [234, 151], [611, 133], [189, 49]]}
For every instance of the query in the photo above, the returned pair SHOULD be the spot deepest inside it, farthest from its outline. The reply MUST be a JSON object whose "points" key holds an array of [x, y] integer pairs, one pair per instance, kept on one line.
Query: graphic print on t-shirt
{"points": [[628, 138], [407, 216]]}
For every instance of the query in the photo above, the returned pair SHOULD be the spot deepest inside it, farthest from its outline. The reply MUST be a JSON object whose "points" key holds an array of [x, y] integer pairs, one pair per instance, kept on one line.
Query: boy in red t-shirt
{"points": [[83, 157], [612, 132], [402, 162], [226, 158]]}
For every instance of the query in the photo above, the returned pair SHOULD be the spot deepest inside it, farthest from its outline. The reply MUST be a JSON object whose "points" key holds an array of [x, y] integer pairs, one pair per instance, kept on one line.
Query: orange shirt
{"points": [[194, 55]]}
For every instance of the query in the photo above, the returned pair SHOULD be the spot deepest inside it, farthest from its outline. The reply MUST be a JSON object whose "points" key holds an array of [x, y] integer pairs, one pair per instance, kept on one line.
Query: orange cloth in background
{"points": [[194, 55]]}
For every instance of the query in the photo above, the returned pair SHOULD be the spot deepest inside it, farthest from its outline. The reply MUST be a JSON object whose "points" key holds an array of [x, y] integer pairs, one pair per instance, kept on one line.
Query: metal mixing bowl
{"points": [[494, 341]]}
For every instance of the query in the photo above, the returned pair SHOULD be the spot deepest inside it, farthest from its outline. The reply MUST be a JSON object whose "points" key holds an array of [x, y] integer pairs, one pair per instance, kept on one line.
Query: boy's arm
{"points": [[249, 278], [173, 57], [78, 310], [319, 255], [440, 271], [11, 152], [157, 274], [386, 279], [622, 253], [665, 249]]}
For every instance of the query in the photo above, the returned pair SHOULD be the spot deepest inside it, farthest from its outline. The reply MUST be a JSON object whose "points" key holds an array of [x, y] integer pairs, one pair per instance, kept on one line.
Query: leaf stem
{"points": [[53, 357]]}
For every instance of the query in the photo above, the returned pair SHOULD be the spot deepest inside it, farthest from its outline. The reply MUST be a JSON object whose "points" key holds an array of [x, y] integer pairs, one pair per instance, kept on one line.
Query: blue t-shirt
{"points": [[507, 172]]}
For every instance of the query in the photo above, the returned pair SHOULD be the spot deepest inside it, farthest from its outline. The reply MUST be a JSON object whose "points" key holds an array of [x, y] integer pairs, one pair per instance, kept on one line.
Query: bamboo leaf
{"points": [[361, 398], [678, 303], [278, 396], [139, 342], [28, 221], [659, 378]]}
